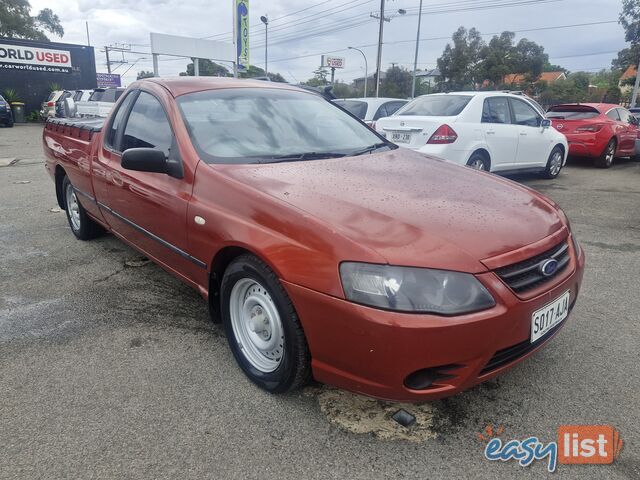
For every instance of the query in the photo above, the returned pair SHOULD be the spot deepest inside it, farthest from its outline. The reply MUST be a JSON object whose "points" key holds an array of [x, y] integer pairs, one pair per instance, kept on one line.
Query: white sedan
{"points": [[492, 131]]}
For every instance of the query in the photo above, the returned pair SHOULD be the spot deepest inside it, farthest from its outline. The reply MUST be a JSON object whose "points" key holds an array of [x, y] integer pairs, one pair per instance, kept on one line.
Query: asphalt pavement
{"points": [[110, 368]]}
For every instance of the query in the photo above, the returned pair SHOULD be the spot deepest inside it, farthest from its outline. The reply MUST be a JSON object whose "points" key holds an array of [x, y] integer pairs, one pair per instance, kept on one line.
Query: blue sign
{"points": [[106, 80], [242, 33]]}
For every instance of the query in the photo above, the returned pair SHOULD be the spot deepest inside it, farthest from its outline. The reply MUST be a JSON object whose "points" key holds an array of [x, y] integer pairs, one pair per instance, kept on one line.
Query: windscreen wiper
{"points": [[293, 157], [370, 148]]}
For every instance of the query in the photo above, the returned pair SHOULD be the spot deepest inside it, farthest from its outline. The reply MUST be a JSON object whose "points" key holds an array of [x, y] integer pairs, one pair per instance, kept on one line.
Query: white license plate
{"points": [[549, 316], [400, 137]]}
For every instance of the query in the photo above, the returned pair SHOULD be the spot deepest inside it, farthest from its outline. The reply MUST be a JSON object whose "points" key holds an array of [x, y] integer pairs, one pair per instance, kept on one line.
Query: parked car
{"points": [[100, 102], [53, 106], [6, 116], [371, 109], [323, 248], [601, 131], [492, 131], [82, 95]]}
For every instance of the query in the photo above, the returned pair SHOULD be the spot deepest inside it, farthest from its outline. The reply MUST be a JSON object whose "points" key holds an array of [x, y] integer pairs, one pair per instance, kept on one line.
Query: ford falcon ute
{"points": [[326, 251]]}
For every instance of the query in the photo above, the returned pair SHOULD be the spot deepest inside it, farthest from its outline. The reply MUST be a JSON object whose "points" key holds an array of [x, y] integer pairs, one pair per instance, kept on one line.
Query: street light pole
{"points": [[265, 19], [366, 69], [415, 60], [379, 59]]}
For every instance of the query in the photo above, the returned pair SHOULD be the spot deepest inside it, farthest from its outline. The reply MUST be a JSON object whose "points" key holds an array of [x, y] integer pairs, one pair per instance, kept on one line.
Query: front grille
{"points": [[511, 354], [526, 275]]}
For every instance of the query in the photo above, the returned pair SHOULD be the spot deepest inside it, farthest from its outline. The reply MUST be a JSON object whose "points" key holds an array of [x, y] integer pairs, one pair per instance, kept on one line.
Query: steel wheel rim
{"points": [[73, 208], [256, 325], [556, 164], [477, 164], [611, 150]]}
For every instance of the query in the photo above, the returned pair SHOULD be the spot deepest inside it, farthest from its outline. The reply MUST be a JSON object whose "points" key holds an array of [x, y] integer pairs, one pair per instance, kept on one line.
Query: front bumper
{"points": [[372, 351], [5, 116]]}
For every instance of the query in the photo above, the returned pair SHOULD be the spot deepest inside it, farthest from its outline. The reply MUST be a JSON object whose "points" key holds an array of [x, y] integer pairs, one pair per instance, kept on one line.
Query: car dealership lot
{"points": [[109, 366]]}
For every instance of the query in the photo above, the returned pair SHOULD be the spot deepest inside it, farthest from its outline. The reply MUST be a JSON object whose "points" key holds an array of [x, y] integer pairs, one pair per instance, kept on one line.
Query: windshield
{"points": [[355, 107], [436, 106], [2, 100], [257, 125], [572, 112]]}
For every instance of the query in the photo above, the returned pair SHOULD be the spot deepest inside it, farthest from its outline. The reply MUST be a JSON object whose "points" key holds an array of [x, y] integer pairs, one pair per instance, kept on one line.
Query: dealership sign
{"points": [[332, 62], [106, 80], [36, 59], [241, 27]]}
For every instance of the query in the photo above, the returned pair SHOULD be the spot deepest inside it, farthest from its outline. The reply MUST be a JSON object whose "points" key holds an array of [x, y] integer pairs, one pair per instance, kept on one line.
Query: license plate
{"points": [[400, 137], [549, 316]]}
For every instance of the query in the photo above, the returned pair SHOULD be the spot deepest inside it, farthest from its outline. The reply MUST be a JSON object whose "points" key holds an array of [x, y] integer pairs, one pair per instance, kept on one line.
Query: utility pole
{"points": [[634, 97], [265, 19], [106, 52], [379, 59], [415, 59], [86, 22]]}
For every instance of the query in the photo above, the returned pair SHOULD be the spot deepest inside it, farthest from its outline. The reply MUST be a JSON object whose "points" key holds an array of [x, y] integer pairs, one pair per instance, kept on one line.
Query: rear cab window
{"points": [[436, 106], [354, 107], [111, 138]]}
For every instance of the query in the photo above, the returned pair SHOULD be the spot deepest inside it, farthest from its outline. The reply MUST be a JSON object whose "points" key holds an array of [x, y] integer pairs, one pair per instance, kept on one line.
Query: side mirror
{"points": [[545, 123], [144, 160], [633, 120]]}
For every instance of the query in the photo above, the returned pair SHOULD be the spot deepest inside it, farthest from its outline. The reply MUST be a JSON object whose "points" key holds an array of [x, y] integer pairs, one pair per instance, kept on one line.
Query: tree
{"points": [[319, 78], [252, 72], [207, 69], [17, 21], [529, 59], [497, 58], [458, 64], [144, 74], [396, 83]]}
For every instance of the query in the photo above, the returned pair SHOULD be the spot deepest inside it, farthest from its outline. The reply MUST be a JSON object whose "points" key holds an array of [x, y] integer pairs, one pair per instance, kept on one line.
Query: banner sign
{"points": [[332, 62], [36, 59], [106, 80], [242, 33]]}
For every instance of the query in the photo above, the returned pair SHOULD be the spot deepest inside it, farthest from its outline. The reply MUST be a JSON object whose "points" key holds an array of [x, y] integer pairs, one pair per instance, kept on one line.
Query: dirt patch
{"points": [[363, 415]]}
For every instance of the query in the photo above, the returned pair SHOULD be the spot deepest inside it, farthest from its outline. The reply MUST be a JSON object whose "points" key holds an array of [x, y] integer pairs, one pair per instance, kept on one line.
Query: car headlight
{"points": [[409, 289]]}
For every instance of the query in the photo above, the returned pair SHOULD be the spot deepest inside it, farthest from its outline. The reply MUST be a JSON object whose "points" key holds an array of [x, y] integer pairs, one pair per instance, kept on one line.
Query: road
{"points": [[110, 368]]}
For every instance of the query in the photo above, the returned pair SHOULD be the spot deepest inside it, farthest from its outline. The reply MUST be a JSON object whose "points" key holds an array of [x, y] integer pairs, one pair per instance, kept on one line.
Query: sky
{"points": [[300, 31]]}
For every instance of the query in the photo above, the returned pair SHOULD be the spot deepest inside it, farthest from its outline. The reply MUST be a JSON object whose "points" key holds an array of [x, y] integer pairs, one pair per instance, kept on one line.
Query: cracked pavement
{"points": [[109, 371]]}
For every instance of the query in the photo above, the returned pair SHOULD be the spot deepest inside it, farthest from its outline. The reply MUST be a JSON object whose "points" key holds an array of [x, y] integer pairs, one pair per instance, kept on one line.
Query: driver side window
{"points": [[524, 114], [147, 125]]}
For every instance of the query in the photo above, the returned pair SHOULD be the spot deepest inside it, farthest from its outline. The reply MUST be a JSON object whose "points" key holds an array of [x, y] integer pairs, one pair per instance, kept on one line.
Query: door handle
{"points": [[491, 132], [524, 134]]}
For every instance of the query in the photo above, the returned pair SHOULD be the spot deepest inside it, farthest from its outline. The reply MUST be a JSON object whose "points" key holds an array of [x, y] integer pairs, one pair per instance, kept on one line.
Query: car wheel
{"points": [[554, 164], [606, 159], [478, 162], [262, 327], [9, 124], [83, 227]]}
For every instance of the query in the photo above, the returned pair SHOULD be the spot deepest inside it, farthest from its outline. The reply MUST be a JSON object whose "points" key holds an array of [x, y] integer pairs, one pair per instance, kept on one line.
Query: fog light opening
{"points": [[430, 377]]}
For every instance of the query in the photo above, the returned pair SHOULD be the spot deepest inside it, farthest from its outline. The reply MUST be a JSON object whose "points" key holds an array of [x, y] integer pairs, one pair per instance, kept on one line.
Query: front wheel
{"points": [[606, 159], [554, 164], [262, 327]]}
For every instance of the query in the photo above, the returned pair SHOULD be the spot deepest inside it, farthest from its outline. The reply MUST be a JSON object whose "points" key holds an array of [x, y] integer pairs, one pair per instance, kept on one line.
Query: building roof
{"points": [[549, 77], [428, 73], [630, 72]]}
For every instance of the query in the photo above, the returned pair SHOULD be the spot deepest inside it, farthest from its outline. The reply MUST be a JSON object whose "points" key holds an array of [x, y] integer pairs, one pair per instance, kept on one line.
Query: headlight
{"points": [[408, 289]]}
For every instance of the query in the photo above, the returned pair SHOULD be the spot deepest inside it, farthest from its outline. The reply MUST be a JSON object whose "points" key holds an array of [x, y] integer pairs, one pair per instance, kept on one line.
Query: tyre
{"points": [[262, 326], [9, 124], [606, 159], [554, 164], [478, 161], [83, 227]]}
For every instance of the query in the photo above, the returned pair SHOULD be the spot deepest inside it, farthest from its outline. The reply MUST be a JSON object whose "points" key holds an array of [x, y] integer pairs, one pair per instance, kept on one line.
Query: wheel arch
{"points": [[59, 175], [482, 151]]}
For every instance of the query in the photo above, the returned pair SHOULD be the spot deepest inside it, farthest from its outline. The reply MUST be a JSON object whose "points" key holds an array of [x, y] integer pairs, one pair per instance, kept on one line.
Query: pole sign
{"points": [[106, 80], [332, 62], [36, 59], [241, 28]]}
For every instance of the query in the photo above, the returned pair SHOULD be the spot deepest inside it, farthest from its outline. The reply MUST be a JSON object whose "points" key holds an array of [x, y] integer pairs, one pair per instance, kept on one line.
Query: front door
{"points": [[534, 142]]}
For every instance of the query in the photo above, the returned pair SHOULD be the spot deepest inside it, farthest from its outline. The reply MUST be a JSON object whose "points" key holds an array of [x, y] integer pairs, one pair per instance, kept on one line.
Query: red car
{"points": [[323, 248], [601, 131]]}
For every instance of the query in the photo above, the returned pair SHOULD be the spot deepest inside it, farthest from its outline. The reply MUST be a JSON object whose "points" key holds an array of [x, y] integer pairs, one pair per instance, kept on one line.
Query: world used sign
{"points": [[35, 59]]}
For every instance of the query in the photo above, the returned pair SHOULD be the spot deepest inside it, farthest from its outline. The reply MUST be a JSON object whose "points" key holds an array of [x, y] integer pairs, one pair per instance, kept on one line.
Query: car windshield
{"points": [[572, 112], [436, 106], [355, 107], [261, 125], [2, 100]]}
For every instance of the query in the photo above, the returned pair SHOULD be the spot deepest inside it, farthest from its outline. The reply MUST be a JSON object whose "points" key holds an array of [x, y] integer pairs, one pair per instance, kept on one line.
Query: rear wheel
{"points": [[262, 326], [554, 164], [478, 161], [83, 227], [606, 159]]}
